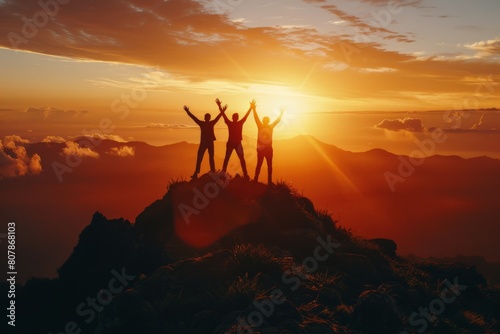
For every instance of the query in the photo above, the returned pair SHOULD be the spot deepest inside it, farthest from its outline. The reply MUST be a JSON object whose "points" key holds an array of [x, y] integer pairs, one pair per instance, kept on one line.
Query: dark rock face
{"points": [[376, 312], [386, 246], [103, 245]]}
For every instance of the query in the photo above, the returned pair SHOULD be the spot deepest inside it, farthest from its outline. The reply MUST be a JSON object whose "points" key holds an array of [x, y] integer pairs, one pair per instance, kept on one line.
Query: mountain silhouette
{"points": [[220, 255]]}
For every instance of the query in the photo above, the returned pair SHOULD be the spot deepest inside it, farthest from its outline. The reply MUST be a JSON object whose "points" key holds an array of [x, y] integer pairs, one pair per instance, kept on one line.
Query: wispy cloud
{"points": [[171, 126], [488, 48], [43, 116], [54, 113], [488, 121]]}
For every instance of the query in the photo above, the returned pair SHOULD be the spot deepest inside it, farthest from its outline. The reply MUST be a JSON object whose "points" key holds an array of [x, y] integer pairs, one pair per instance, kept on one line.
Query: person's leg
{"points": [[201, 153], [260, 159], [229, 151], [211, 156], [241, 155], [269, 158]]}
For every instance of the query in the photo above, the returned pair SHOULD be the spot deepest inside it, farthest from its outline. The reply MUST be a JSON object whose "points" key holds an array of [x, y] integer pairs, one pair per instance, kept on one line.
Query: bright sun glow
{"points": [[272, 98]]}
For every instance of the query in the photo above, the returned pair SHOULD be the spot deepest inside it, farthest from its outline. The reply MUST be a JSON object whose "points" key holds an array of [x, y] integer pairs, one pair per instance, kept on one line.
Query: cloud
{"points": [[376, 70], [133, 38], [13, 140], [74, 149], [171, 126], [406, 124], [53, 139], [123, 151], [386, 3], [488, 122], [14, 159], [373, 26], [49, 113], [483, 123], [42, 115], [84, 30], [479, 125], [241, 20], [486, 48], [468, 131], [103, 136], [336, 22]]}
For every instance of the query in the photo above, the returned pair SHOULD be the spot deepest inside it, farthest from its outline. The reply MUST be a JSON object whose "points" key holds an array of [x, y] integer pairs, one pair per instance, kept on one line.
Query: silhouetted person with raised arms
{"points": [[235, 128], [265, 143], [207, 139]]}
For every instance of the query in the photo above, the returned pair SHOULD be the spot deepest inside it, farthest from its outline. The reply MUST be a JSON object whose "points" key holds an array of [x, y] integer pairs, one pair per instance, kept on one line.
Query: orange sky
{"points": [[358, 74], [67, 66]]}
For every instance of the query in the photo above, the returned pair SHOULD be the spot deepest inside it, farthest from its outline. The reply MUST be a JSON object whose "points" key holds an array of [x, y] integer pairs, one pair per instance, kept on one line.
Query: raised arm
{"points": [[222, 110], [190, 114], [257, 120], [218, 117], [252, 105], [282, 110]]}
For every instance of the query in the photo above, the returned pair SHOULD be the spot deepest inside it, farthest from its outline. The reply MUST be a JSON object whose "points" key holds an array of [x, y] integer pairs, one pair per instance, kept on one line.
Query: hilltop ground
{"points": [[218, 255]]}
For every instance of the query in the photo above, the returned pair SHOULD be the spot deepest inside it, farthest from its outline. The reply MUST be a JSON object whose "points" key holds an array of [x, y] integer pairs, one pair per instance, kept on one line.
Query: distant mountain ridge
{"points": [[456, 198]]}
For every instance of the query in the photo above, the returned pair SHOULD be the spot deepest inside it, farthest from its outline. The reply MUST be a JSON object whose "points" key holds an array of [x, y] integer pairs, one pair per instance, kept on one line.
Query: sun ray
{"points": [[308, 76], [336, 171], [238, 66]]}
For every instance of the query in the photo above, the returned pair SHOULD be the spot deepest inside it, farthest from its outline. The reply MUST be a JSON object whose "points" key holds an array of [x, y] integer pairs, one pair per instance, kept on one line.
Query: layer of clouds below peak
{"points": [[53, 139], [14, 159], [454, 121], [123, 151], [406, 124], [103, 136], [74, 149]]}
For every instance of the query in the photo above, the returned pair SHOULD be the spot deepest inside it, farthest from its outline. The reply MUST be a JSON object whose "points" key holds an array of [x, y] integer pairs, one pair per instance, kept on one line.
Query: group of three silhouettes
{"points": [[235, 127]]}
